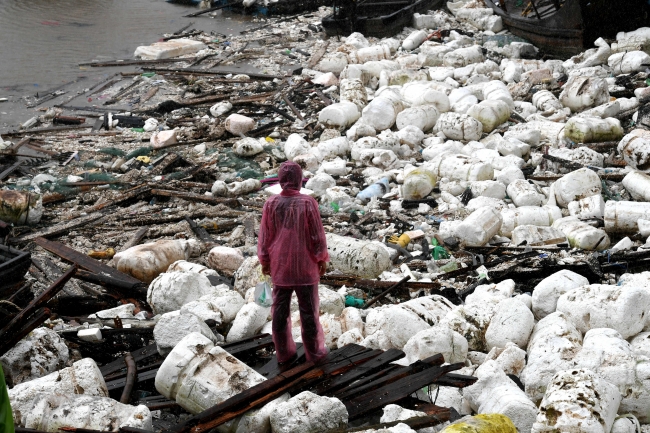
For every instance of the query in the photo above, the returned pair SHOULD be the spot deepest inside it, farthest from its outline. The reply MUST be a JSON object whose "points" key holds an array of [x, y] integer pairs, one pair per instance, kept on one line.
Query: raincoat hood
{"points": [[290, 176]]}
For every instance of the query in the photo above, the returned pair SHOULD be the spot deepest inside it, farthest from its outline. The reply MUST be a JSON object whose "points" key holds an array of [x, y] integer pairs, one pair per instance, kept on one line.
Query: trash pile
{"points": [[482, 203]]}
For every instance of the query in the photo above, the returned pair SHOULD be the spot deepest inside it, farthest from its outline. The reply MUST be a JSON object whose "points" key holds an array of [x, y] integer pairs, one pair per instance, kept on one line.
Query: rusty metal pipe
{"points": [[131, 375]]}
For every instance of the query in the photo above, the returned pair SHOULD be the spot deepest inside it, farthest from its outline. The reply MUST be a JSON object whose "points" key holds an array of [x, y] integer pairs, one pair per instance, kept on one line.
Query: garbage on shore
{"points": [[487, 216]]}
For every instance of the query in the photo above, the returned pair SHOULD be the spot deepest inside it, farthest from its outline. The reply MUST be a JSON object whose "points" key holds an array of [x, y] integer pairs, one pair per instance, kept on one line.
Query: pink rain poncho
{"points": [[292, 241]]}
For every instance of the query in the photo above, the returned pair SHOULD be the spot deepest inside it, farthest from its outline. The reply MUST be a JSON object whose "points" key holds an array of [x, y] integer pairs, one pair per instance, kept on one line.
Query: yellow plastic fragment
{"points": [[483, 423], [144, 159]]}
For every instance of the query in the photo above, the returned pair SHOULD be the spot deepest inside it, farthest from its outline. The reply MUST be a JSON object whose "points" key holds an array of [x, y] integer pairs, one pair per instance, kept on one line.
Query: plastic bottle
{"points": [[423, 117], [546, 102], [414, 40], [377, 189], [491, 113], [593, 130], [623, 216], [375, 52], [497, 90], [460, 167], [635, 148], [464, 56], [543, 216], [382, 111], [462, 99], [582, 235], [339, 115], [418, 184], [479, 227], [638, 185]]}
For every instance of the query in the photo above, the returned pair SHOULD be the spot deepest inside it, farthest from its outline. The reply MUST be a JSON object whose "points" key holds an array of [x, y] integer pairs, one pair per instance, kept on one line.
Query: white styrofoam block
{"points": [[547, 291], [308, 412], [603, 306], [512, 323], [577, 400], [437, 339]]}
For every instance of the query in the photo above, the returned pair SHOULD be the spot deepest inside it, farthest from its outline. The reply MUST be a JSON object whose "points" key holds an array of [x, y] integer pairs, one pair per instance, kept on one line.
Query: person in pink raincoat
{"points": [[293, 251]]}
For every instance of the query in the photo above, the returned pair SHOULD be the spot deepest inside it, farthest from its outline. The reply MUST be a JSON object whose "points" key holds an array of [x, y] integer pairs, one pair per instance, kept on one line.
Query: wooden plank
{"points": [[393, 392], [387, 377], [254, 343], [232, 202], [455, 380], [125, 196], [59, 229], [272, 368], [83, 261], [367, 368]]}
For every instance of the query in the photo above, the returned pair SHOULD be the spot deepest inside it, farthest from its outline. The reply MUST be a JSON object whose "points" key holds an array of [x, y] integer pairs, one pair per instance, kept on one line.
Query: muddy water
{"points": [[43, 41]]}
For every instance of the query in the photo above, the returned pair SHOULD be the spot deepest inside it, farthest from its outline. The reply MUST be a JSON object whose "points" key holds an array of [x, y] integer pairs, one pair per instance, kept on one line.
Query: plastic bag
{"points": [[264, 294]]}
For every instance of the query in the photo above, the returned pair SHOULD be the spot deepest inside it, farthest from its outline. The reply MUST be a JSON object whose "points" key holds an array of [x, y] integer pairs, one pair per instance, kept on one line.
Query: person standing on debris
{"points": [[6, 417], [293, 251]]}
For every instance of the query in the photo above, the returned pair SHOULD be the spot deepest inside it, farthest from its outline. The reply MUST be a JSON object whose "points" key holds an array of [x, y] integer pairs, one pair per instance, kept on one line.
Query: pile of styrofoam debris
{"points": [[469, 119]]}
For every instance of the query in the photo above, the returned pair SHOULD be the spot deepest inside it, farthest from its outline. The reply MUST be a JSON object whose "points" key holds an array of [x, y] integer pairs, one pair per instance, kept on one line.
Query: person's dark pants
{"points": [[313, 339]]}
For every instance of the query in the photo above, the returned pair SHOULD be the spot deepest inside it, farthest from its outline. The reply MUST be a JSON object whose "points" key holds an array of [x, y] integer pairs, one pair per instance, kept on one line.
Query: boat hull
{"points": [[386, 24]]}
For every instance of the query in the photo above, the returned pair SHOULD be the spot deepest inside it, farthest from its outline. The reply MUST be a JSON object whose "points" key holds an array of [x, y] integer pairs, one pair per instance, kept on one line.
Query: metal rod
{"points": [[131, 374]]}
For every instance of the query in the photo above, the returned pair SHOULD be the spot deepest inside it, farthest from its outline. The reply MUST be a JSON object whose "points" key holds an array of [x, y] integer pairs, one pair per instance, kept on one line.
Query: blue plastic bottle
{"points": [[377, 189]]}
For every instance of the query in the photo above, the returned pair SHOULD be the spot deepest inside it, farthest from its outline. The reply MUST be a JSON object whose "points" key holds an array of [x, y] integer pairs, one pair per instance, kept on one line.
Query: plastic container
{"points": [[546, 102], [497, 90], [382, 111], [638, 185], [457, 126], [377, 189], [237, 124], [220, 108], [356, 257], [582, 235], [479, 227], [462, 100], [421, 21], [635, 149], [423, 117], [20, 208], [248, 147], [145, 262], [374, 52], [168, 49], [339, 146], [422, 94], [335, 167], [491, 113], [623, 216], [162, 139], [588, 207], [576, 185], [524, 193], [235, 189], [464, 56], [593, 130], [543, 216], [418, 184], [198, 375], [339, 115], [584, 92], [460, 167], [628, 62], [414, 40], [535, 235]]}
